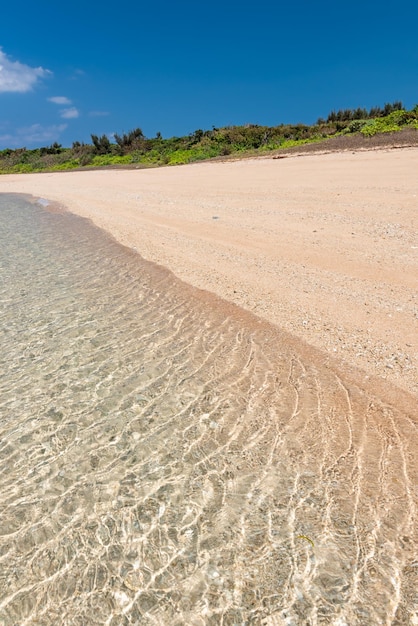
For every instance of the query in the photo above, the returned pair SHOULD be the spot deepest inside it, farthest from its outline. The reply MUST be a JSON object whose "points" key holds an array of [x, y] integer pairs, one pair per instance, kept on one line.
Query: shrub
{"points": [[85, 159], [68, 165], [110, 159], [355, 126]]}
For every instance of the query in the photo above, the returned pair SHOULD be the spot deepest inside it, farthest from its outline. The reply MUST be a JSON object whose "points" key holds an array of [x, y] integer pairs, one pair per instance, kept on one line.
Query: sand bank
{"points": [[324, 246]]}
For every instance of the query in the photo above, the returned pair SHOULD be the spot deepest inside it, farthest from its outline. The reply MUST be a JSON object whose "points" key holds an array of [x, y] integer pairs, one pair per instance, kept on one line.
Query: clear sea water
{"points": [[168, 459]]}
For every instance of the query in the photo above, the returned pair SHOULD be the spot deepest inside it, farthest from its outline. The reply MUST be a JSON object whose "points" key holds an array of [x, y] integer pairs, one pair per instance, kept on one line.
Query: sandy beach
{"points": [[323, 246], [170, 457]]}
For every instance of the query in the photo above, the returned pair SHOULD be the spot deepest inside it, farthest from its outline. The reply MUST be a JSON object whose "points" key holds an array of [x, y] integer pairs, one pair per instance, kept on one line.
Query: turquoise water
{"points": [[168, 459]]}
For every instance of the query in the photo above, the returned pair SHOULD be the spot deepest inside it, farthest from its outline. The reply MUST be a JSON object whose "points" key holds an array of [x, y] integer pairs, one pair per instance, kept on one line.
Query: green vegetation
{"points": [[133, 148]]}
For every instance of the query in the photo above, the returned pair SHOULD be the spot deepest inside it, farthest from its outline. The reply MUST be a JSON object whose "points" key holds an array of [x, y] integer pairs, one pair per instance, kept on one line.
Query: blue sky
{"points": [[71, 69]]}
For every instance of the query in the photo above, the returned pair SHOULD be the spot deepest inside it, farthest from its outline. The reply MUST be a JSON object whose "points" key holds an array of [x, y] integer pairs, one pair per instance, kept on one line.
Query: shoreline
{"points": [[325, 247], [169, 439]]}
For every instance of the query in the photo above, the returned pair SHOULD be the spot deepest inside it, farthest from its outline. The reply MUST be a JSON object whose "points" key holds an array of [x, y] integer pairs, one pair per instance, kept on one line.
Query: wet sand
{"points": [[323, 246]]}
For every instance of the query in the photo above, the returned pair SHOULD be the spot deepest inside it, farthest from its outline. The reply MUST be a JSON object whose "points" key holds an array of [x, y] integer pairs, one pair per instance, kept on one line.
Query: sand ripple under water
{"points": [[168, 459]]}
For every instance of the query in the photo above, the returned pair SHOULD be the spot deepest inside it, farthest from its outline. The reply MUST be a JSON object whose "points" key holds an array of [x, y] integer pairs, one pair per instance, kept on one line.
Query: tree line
{"points": [[134, 147], [347, 115]]}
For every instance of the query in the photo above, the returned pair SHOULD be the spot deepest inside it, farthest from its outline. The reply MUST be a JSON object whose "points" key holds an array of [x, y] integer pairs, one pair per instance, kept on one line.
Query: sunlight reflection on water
{"points": [[166, 461]]}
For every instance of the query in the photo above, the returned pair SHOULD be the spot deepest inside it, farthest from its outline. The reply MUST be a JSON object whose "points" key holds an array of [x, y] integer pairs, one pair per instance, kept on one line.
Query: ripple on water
{"points": [[165, 458]]}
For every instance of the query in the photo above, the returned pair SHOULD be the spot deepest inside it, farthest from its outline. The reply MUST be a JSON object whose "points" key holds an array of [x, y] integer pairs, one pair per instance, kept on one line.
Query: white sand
{"points": [[324, 246]]}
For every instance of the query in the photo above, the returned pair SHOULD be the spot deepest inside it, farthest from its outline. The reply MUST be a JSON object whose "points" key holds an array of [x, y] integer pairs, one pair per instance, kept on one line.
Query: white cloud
{"points": [[59, 100], [70, 113], [18, 77], [77, 73], [34, 134], [98, 113]]}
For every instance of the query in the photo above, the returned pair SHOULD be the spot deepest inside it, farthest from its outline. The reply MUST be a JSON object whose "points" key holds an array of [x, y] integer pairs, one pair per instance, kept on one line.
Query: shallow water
{"points": [[166, 459]]}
